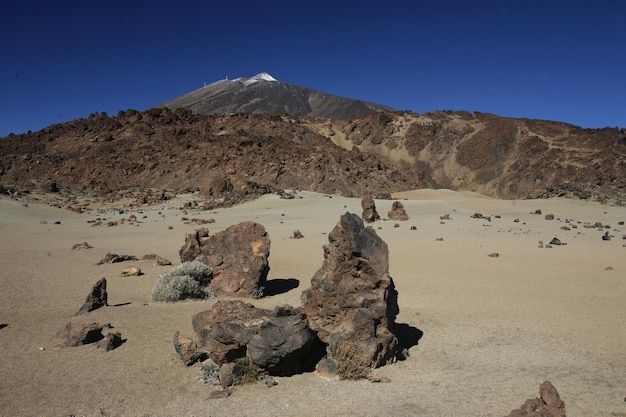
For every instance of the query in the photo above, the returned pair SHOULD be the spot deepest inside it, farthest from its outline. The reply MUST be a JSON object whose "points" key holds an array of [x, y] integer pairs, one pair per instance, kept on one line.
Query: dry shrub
{"points": [[351, 361]]}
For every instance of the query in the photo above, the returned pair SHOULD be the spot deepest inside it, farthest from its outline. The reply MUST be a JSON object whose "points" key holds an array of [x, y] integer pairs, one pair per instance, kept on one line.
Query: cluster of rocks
{"points": [[370, 214], [77, 334], [345, 326]]}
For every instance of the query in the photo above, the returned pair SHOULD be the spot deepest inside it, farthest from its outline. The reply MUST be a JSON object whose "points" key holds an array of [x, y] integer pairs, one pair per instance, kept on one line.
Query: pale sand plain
{"points": [[490, 329]]}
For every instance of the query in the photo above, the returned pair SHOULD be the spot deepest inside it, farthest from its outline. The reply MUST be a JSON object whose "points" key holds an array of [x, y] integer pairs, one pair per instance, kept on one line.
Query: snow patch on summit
{"points": [[263, 76]]}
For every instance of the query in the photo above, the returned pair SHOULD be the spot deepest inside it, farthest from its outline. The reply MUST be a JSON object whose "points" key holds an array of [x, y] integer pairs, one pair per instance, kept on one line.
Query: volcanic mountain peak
{"points": [[263, 93]]}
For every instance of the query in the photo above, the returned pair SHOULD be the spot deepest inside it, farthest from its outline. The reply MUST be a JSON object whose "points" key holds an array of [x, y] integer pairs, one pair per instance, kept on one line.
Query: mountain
{"points": [[146, 156], [264, 94]]}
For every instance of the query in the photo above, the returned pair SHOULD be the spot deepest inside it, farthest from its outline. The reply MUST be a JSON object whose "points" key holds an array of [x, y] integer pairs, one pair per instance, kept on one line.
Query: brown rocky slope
{"points": [[235, 157]]}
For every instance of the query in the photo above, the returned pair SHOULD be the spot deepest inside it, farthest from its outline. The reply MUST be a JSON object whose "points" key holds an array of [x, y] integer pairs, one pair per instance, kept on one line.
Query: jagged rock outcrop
{"points": [[352, 302], [98, 297], [188, 349], [370, 214], [278, 341], [238, 257], [549, 404], [397, 212]]}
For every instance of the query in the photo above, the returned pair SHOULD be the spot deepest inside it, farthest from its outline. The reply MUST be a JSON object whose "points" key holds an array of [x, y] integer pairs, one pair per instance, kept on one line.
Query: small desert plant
{"points": [[210, 374], [245, 373], [257, 293], [351, 361], [183, 281]]}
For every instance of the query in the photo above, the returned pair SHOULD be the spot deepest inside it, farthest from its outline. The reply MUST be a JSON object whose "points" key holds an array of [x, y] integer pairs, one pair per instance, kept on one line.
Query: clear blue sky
{"points": [[556, 60]]}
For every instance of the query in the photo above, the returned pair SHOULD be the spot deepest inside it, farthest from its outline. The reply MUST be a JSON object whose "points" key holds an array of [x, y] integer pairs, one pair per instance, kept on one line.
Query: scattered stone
{"points": [[378, 379], [538, 212], [188, 349], [606, 236], [370, 214], [110, 341], [413, 228], [549, 404], [396, 225], [477, 215], [297, 234], [111, 258], [159, 260], [81, 246], [439, 239], [223, 393], [540, 244], [352, 299], [445, 217], [620, 223], [609, 268], [398, 212], [77, 334], [131, 271], [198, 221], [565, 228], [549, 216], [97, 298], [623, 237], [494, 254], [548, 246], [598, 225], [555, 241], [516, 221]]}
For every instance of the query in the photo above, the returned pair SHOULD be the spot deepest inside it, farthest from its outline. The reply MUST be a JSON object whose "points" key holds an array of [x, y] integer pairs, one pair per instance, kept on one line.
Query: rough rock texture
{"points": [[111, 258], [188, 349], [131, 271], [370, 214], [277, 341], [238, 257], [77, 334], [549, 404], [110, 341], [97, 298], [352, 297], [397, 212], [159, 153], [284, 343]]}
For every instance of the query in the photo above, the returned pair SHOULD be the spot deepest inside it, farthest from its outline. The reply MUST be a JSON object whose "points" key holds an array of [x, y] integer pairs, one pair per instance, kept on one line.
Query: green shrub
{"points": [[183, 281], [245, 373]]}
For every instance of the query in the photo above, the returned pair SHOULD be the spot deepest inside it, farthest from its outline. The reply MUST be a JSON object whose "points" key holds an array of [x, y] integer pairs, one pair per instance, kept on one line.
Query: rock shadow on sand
{"points": [[278, 286], [408, 336], [3, 325]]}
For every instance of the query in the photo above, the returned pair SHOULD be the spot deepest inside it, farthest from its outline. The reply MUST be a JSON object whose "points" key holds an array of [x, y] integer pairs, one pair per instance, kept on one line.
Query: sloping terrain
{"points": [[236, 157], [264, 94]]}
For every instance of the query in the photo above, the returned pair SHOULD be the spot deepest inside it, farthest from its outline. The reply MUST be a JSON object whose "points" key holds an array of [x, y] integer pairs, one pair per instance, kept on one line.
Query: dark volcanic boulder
{"points": [[277, 341], [549, 404], [370, 214], [397, 212], [97, 298], [352, 299], [188, 349], [284, 343], [238, 257]]}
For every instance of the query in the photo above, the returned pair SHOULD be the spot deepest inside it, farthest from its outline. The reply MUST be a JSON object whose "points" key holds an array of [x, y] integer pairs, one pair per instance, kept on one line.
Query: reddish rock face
{"points": [[352, 297], [238, 257]]}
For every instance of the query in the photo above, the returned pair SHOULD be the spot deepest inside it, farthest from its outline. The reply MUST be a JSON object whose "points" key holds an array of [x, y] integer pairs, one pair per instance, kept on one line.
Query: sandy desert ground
{"points": [[492, 328]]}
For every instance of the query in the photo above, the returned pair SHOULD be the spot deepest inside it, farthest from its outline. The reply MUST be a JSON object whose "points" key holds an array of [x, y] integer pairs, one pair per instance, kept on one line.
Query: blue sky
{"points": [[554, 60]]}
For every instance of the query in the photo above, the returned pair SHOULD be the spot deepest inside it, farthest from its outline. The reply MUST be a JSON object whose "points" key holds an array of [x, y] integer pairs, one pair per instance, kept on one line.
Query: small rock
{"points": [[223, 393], [444, 217], [97, 298], [538, 211], [131, 271], [477, 216], [565, 228], [549, 217], [297, 234], [555, 241], [110, 341], [606, 236], [494, 254], [415, 228], [516, 221], [81, 246], [439, 239]]}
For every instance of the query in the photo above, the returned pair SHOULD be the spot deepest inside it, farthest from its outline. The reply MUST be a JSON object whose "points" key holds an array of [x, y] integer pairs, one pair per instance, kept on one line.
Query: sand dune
{"points": [[490, 329]]}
